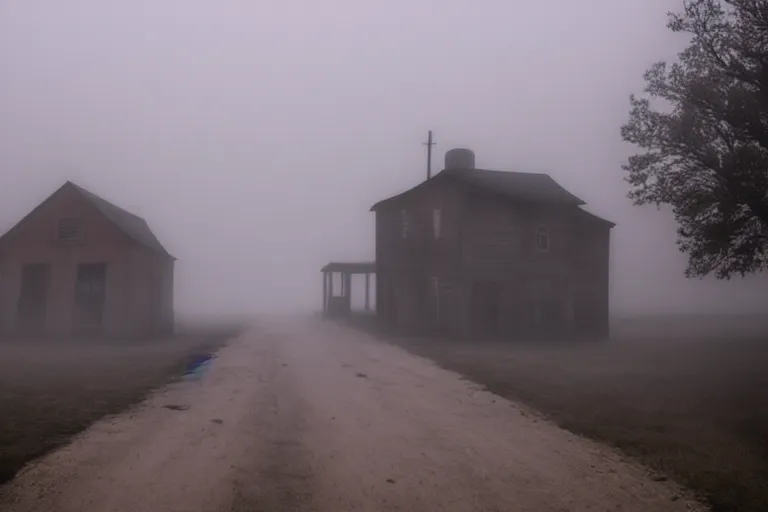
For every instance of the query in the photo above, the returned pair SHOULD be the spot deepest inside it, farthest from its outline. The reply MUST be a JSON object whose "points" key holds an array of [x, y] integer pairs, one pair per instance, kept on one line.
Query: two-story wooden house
{"points": [[482, 253]]}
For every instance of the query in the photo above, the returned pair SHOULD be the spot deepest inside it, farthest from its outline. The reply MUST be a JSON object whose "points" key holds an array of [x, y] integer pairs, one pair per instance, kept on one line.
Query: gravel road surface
{"points": [[298, 414]]}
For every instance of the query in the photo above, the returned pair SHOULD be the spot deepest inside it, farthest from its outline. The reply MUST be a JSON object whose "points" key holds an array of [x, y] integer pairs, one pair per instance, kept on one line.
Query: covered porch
{"points": [[337, 301]]}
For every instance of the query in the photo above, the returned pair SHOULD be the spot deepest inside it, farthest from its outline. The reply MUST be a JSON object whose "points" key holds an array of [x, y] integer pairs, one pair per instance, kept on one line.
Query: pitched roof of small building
{"points": [[132, 225]]}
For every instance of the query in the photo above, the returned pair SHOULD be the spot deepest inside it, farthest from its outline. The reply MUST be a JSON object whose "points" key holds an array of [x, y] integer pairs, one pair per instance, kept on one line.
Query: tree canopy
{"points": [[702, 125]]}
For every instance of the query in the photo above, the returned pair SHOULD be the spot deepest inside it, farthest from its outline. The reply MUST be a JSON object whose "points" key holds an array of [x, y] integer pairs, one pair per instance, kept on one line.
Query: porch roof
{"points": [[359, 267]]}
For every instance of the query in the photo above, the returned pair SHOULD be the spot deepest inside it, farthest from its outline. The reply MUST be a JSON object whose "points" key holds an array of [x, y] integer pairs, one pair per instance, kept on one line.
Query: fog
{"points": [[254, 136]]}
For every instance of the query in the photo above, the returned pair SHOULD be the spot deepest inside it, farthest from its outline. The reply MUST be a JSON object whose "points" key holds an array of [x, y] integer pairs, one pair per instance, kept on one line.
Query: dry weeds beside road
{"points": [[51, 390], [312, 416], [686, 396]]}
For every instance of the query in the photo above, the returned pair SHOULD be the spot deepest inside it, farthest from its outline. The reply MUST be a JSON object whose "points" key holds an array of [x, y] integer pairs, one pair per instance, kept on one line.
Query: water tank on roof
{"points": [[459, 158]]}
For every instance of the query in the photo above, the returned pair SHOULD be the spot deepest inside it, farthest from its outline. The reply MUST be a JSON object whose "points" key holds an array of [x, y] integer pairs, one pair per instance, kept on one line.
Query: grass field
{"points": [[50, 391], [691, 403]]}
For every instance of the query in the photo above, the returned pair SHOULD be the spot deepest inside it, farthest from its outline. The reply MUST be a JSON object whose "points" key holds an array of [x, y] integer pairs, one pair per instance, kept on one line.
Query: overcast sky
{"points": [[254, 135]]}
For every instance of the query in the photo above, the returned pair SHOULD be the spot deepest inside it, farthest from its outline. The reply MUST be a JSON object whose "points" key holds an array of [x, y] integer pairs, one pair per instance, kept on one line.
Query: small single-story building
{"points": [[79, 265]]}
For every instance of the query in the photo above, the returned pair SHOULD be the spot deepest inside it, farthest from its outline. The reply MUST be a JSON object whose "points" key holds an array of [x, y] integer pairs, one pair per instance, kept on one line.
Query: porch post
{"points": [[367, 291], [347, 285], [325, 291]]}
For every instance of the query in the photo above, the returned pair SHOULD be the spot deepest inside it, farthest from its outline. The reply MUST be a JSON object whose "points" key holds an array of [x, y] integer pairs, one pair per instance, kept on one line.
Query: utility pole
{"points": [[429, 145]]}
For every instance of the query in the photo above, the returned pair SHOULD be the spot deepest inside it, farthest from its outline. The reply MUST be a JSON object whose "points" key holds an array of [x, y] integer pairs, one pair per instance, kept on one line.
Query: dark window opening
{"points": [[33, 297], [437, 217], [542, 239], [90, 295], [405, 222]]}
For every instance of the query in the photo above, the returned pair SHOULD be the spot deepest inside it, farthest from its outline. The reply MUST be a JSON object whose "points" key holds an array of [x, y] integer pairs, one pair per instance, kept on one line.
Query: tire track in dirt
{"points": [[280, 476]]}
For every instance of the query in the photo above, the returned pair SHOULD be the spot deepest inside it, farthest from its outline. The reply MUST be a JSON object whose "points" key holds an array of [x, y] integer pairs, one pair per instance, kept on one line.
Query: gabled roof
{"points": [[526, 186], [132, 225], [591, 216], [522, 186]]}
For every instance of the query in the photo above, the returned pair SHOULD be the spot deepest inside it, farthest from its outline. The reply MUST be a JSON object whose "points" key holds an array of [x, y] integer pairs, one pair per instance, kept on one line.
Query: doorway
{"points": [[90, 293], [547, 318], [33, 298], [486, 308], [586, 319]]}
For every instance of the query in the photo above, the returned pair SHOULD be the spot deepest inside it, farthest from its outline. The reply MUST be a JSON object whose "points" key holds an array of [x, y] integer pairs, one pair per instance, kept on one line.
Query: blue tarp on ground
{"points": [[198, 367]]}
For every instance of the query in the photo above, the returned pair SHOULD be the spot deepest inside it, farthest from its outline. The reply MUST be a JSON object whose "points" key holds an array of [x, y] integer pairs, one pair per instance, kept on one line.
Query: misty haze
{"points": [[222, 257]]}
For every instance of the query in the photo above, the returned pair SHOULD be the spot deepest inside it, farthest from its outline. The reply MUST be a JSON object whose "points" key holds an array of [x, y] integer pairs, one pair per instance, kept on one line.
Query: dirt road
{"points": [[304, 415]]}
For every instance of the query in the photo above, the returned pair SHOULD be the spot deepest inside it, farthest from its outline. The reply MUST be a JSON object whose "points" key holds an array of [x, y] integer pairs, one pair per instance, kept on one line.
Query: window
{"points": [[436, 221], [406, 222], [70, 230], [542, 239]]}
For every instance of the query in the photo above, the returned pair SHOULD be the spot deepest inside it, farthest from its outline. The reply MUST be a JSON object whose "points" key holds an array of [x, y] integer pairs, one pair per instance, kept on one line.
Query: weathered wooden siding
{"points": [[427, 284], [590, 263], [406, 266]]}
